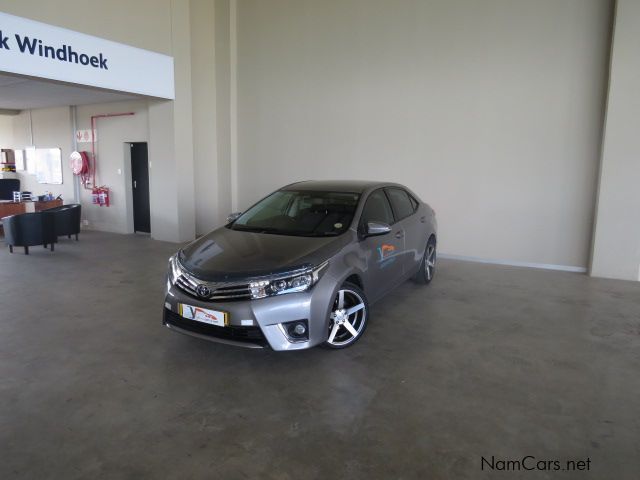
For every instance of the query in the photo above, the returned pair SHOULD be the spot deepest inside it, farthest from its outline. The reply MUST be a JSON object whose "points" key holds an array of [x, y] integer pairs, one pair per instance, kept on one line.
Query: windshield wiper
{"points": [[316, 234], [277, 231], [257, 229]]}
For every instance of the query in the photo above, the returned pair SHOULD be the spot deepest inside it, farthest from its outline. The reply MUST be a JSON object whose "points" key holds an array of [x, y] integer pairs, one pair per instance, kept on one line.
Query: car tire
{"points": [[342, 324], [427, 269]]}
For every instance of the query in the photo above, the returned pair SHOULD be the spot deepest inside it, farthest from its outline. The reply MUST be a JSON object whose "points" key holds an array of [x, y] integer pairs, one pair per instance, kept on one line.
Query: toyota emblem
{"points": [[203, 291]]}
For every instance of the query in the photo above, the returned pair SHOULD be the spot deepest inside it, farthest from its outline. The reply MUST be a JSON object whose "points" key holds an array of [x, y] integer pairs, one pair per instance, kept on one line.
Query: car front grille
{"points": [[220, 291], [235, 333]]}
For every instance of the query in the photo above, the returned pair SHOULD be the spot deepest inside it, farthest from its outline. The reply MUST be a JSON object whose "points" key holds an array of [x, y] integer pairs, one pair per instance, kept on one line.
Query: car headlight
{"points": [[294, 283]]}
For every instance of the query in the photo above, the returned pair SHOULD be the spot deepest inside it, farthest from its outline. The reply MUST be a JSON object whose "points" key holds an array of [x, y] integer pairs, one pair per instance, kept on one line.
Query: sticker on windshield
{"points": [[337, 225]]}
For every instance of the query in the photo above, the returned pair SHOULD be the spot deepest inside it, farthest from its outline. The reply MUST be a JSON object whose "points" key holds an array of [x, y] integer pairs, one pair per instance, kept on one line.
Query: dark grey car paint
{"points": [[227, 254]]}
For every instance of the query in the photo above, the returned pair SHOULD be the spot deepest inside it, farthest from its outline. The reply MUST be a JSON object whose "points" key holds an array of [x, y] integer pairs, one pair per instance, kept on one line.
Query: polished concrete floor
{"points": [[487, 361]]}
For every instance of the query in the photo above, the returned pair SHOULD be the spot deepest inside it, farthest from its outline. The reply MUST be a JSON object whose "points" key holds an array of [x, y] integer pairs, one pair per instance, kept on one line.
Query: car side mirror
{"points": [[376, 228], [233, 217]]}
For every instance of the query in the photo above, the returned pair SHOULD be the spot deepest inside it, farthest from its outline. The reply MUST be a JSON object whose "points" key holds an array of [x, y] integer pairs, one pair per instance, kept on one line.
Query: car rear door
{"points": [[384, 267]]}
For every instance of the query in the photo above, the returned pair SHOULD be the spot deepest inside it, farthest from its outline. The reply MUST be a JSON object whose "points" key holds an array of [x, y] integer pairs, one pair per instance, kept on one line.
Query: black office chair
{"points": [[29, 229]]}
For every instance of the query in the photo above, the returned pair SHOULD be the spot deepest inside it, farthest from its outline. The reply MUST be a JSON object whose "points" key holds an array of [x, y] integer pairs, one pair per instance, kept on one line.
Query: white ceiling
{"points": [[21, 93]]}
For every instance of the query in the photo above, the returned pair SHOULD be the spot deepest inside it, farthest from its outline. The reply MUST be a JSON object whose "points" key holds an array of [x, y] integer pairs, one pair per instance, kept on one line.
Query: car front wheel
{"points": [[348, 318]]}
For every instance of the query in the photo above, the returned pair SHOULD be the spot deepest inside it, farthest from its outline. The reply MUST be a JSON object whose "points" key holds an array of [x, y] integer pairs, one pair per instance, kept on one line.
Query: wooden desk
{"points": [[40, 206], [10, 208], [14, 208]]}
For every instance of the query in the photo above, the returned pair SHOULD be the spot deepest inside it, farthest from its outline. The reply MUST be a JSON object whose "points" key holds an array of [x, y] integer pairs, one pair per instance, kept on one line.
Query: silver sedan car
{"points": [[301, 267]]}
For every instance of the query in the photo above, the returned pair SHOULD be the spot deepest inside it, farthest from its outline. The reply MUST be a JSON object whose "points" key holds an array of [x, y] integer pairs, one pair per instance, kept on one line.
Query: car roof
{"points": [[355, 186]]}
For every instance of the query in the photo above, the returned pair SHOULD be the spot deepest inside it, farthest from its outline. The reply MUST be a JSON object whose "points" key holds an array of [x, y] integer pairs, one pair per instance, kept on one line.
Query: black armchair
{"points": [[66, 219], [28, 229]]}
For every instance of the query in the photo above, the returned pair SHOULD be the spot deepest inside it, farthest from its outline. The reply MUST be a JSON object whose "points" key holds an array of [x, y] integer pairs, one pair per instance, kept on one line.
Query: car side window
{"points": [[401, 202], [377, 209], [414, 203]]}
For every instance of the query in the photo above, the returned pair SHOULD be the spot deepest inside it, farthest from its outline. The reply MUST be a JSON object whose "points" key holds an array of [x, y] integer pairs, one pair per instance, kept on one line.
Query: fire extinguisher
{"points": [[104, 197], [100, 196]]}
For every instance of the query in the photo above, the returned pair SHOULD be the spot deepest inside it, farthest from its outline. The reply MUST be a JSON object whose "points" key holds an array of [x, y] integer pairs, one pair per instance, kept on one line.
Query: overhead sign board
{"points": [[39, 50]]}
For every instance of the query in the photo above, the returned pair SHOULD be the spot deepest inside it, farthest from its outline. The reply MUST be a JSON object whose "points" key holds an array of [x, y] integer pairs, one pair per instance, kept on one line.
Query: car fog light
{"points": [[296, 331]]}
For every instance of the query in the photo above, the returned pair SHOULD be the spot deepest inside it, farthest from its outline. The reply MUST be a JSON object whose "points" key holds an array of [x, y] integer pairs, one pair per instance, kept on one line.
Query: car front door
{"points": [[383, 252], [404, 210]]}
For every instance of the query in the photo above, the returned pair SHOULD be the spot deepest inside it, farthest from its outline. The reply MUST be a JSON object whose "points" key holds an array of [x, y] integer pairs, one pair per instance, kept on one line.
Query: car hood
{"points": [[226, 254]]}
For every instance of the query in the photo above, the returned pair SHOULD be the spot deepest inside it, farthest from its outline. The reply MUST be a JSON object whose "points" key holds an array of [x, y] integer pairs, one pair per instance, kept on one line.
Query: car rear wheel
{"points": [[348, 318], [428, 266]]}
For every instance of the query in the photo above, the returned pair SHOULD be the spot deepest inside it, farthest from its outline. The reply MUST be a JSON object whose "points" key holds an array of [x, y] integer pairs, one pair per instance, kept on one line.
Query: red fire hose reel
{"points": [[81, 166]]}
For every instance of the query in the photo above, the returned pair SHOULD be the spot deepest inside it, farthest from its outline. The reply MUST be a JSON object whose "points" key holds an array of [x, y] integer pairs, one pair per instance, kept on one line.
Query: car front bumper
{"points": [[258, 323]]}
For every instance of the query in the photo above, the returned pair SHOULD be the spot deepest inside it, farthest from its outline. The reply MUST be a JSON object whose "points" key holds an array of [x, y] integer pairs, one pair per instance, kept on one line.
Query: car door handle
{"points": [[399, 234], [135, 184], [423, 219]]}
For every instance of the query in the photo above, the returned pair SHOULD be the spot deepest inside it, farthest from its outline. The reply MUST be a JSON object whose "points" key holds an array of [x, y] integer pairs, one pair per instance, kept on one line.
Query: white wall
{"points": [[182, 155], [210, 89], [203, 89], [113, 165], [616, 250], [223, 52], [157, 25], [6, 131], [491, 111], [153, 122], [141, 23], [51, 128]]}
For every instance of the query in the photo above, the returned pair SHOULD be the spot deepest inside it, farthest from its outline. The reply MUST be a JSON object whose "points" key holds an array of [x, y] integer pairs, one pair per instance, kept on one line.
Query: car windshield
{"points": [[300, 213]]}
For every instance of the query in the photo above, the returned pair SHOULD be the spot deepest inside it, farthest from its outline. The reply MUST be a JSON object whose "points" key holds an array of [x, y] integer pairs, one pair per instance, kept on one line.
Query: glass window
{"points": [[300, 213], [414, 203], [377, 209], [401, 202]]}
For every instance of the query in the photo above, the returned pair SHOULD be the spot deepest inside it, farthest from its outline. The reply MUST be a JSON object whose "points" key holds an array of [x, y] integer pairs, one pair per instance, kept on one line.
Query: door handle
{"points": [[135, 184], [423, 219], [399, 234]]}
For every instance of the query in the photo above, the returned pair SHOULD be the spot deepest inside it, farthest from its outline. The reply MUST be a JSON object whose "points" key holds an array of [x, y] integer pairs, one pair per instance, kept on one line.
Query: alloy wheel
{"points": [[429, 261], [347, 319]]}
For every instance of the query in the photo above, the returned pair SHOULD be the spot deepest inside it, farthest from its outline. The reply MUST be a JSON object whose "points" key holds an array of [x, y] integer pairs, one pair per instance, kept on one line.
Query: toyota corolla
{"points": [[301, 267]]}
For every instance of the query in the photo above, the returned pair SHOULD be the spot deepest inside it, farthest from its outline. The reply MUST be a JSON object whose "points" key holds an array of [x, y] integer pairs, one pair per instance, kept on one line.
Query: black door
{"points": [[140, 187]]}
